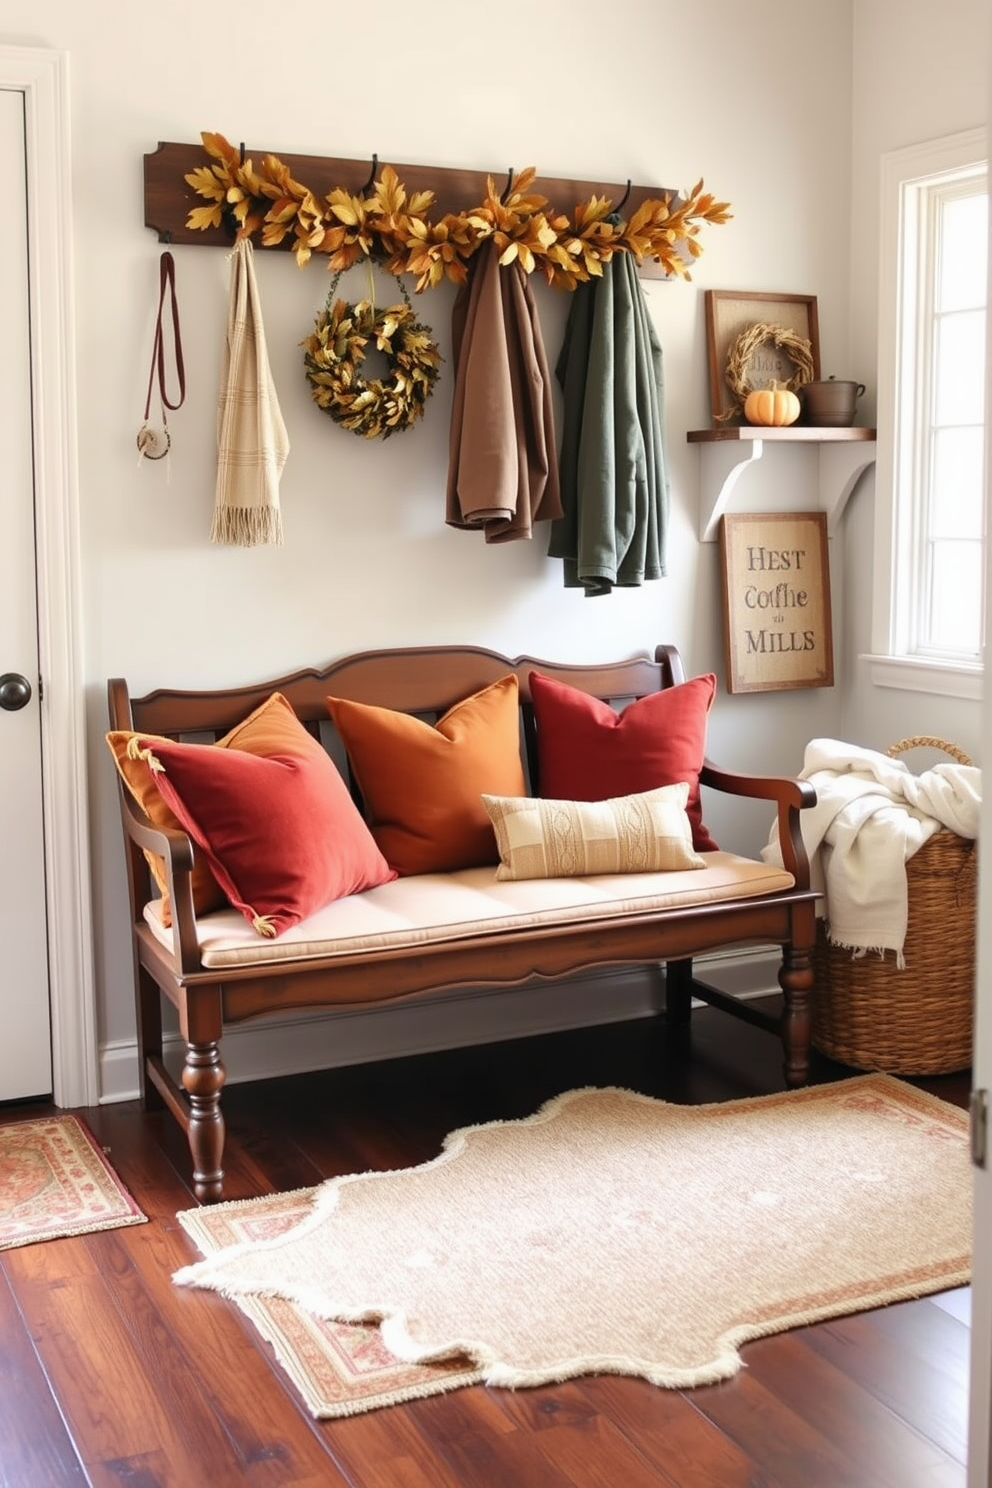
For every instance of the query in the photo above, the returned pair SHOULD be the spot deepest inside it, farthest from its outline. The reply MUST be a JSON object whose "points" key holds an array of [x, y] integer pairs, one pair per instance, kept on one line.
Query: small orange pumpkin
{"points": [[771, 406]]}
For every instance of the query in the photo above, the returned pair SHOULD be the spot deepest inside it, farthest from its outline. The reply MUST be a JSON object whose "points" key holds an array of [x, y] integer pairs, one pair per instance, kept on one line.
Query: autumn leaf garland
{"points": [[395, 228], [388, 224]]}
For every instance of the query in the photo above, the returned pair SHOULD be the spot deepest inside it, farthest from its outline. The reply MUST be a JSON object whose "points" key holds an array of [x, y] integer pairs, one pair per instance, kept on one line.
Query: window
{"points": [[930, 472]]}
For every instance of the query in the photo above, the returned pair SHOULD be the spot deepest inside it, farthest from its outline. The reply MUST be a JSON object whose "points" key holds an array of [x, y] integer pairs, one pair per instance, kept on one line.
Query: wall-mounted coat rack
{"points": [[169, 199]]}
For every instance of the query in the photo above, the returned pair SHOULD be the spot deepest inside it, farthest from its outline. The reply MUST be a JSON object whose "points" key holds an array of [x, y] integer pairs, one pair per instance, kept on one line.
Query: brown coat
{"points": [[503, 465]]}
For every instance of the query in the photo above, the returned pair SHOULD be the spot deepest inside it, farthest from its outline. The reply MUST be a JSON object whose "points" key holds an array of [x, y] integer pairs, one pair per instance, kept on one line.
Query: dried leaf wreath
{"points": [[387, 224], [333, 353]]}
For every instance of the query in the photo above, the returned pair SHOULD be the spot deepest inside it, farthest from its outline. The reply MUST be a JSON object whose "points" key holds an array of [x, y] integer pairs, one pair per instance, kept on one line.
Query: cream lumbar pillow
{"points": [[645, 833]]}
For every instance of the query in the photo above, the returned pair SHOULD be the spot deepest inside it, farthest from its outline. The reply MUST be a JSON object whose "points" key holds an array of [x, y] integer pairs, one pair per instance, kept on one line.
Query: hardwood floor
{"points": [[111, 1376]]}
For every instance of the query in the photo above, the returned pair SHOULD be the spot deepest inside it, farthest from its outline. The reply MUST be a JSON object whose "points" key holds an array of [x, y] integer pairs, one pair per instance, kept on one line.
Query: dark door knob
{"points": [[15, 691]]}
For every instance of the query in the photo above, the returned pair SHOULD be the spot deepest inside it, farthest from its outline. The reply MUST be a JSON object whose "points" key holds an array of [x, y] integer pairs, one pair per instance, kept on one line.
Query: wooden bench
{"points": [[175, 962]]}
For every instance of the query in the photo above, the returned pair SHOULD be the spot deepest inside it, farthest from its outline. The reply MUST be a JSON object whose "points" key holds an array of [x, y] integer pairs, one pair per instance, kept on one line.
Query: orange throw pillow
{"points": [[423, 786]]}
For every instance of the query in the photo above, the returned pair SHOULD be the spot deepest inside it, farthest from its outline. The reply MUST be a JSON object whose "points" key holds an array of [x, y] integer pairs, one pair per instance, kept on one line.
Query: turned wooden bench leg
{"points": [[203, 1080], [678, 992], [796, 980]]}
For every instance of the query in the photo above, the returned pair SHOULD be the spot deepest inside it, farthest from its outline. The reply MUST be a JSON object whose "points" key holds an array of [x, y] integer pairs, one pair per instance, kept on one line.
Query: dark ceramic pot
{"points": [[830, 404]]}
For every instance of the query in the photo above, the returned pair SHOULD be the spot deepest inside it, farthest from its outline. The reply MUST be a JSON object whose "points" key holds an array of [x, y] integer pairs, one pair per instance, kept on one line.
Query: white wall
{"points": [[918, 75], [757, 100]]}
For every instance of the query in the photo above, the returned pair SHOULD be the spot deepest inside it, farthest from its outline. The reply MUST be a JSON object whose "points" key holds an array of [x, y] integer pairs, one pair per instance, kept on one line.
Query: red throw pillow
{"points": [[282, 834], [586, 751]]}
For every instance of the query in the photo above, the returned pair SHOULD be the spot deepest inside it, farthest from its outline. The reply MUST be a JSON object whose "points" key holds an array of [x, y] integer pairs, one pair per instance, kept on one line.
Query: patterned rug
{"points": [[608, 1233], [56, 1182]]}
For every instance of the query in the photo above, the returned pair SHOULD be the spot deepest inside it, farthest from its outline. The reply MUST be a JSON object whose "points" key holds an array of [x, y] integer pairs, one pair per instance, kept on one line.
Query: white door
{"points": [[25, 1038]]}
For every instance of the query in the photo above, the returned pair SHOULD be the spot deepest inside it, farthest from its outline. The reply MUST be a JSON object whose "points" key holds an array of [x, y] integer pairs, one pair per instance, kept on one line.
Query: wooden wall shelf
{"points": [[844, 456], [788, 434], [168, 199]]}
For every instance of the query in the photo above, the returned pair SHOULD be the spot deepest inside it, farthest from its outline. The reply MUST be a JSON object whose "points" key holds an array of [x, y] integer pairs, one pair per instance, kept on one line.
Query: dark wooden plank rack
{"points": [[169, 200]]}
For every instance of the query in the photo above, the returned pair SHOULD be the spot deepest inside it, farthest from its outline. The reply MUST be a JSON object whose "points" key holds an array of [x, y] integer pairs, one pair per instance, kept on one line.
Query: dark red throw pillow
{"points": [[281, 833], [586, 751]]}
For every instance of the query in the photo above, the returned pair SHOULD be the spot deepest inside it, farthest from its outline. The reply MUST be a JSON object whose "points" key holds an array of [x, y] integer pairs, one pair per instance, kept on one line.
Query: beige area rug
{"points": [[608, 1233], [55, 1182]]}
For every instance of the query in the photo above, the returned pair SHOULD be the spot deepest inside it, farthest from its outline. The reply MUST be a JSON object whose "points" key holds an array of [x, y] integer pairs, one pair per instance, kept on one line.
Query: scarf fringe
{"points": [[246, 526], [859, 952]]}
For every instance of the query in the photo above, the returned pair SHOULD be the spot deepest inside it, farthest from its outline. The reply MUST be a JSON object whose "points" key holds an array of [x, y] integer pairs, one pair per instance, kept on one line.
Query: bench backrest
{"points": [[425, 681]]}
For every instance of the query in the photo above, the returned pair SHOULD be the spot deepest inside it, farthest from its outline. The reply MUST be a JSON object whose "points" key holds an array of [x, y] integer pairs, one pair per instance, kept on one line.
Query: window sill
{"points": [[944, 678]]}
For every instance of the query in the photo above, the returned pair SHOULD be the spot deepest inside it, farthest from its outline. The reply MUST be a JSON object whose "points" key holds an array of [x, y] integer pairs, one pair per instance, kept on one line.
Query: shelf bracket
{"points": [[720, 469], [843, 457], [841, 468]]}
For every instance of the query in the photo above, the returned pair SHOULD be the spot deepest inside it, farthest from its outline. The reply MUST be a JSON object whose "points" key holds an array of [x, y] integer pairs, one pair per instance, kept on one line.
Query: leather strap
{"points": [[167, 282]]}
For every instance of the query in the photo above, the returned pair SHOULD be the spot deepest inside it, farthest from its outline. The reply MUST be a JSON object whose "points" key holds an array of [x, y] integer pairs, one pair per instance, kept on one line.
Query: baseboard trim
{"points": [[311, 1041]]}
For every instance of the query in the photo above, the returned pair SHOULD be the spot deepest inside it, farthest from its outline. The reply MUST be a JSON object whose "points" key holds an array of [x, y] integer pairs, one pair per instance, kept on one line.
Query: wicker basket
{"points": [[918, 1021]]}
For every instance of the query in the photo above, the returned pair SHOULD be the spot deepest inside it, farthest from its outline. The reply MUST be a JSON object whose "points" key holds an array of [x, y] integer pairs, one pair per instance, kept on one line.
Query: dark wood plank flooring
{"points": [[111, 1376]]}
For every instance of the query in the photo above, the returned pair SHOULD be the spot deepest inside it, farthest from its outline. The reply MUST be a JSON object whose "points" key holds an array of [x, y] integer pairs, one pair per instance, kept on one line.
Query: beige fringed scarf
{"points": [[252, 444]]}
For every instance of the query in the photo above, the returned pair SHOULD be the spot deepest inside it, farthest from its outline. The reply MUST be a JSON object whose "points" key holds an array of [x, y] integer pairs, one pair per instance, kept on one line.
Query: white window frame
{"points": [[890, 664]]}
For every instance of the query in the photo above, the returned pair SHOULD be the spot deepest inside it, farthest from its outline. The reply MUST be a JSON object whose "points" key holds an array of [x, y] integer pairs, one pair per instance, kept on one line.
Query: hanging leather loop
{"points": [[152, 443]]}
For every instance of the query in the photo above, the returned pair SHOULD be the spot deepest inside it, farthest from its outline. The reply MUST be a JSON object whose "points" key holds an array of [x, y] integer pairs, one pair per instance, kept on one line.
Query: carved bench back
{"points": [[425, 681]]}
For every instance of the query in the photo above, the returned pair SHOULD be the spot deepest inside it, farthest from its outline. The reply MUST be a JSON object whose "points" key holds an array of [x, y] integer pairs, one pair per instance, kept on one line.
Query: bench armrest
{"points": [[790, 796], [176, 850]]}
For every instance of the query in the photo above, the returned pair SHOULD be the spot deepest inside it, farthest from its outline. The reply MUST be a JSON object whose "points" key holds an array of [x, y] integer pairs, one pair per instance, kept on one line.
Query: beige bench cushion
{"points": [[433, 907]]}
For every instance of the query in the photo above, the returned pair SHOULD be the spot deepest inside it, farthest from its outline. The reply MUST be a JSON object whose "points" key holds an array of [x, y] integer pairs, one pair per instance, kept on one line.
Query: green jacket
{"points": [[614, 482]]}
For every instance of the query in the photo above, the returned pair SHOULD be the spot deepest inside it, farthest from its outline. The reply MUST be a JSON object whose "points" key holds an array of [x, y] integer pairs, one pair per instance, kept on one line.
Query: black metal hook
{"points": [[507, 188], [227, 212], [623, 200], [368, 184]]}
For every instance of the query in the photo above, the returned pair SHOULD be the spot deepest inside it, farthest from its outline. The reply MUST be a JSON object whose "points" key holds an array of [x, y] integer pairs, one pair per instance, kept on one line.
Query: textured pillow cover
{"points": [[586, 751], [645, 833], [270, 728], [280, 831], [207, 892], [422, 785]]}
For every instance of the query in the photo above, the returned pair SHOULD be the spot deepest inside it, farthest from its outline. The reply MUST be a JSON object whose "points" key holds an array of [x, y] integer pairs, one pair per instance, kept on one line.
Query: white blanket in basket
{"points": [[871, 815]]}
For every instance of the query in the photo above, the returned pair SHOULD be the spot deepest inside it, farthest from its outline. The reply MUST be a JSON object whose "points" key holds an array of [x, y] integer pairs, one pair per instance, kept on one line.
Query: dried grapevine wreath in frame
{"points": [[797, 349], [333, 354], [753, 337]]}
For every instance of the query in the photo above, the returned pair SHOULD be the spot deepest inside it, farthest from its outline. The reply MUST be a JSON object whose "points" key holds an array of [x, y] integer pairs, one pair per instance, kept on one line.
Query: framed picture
{"points": [[776, 601], [730, 315]]}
